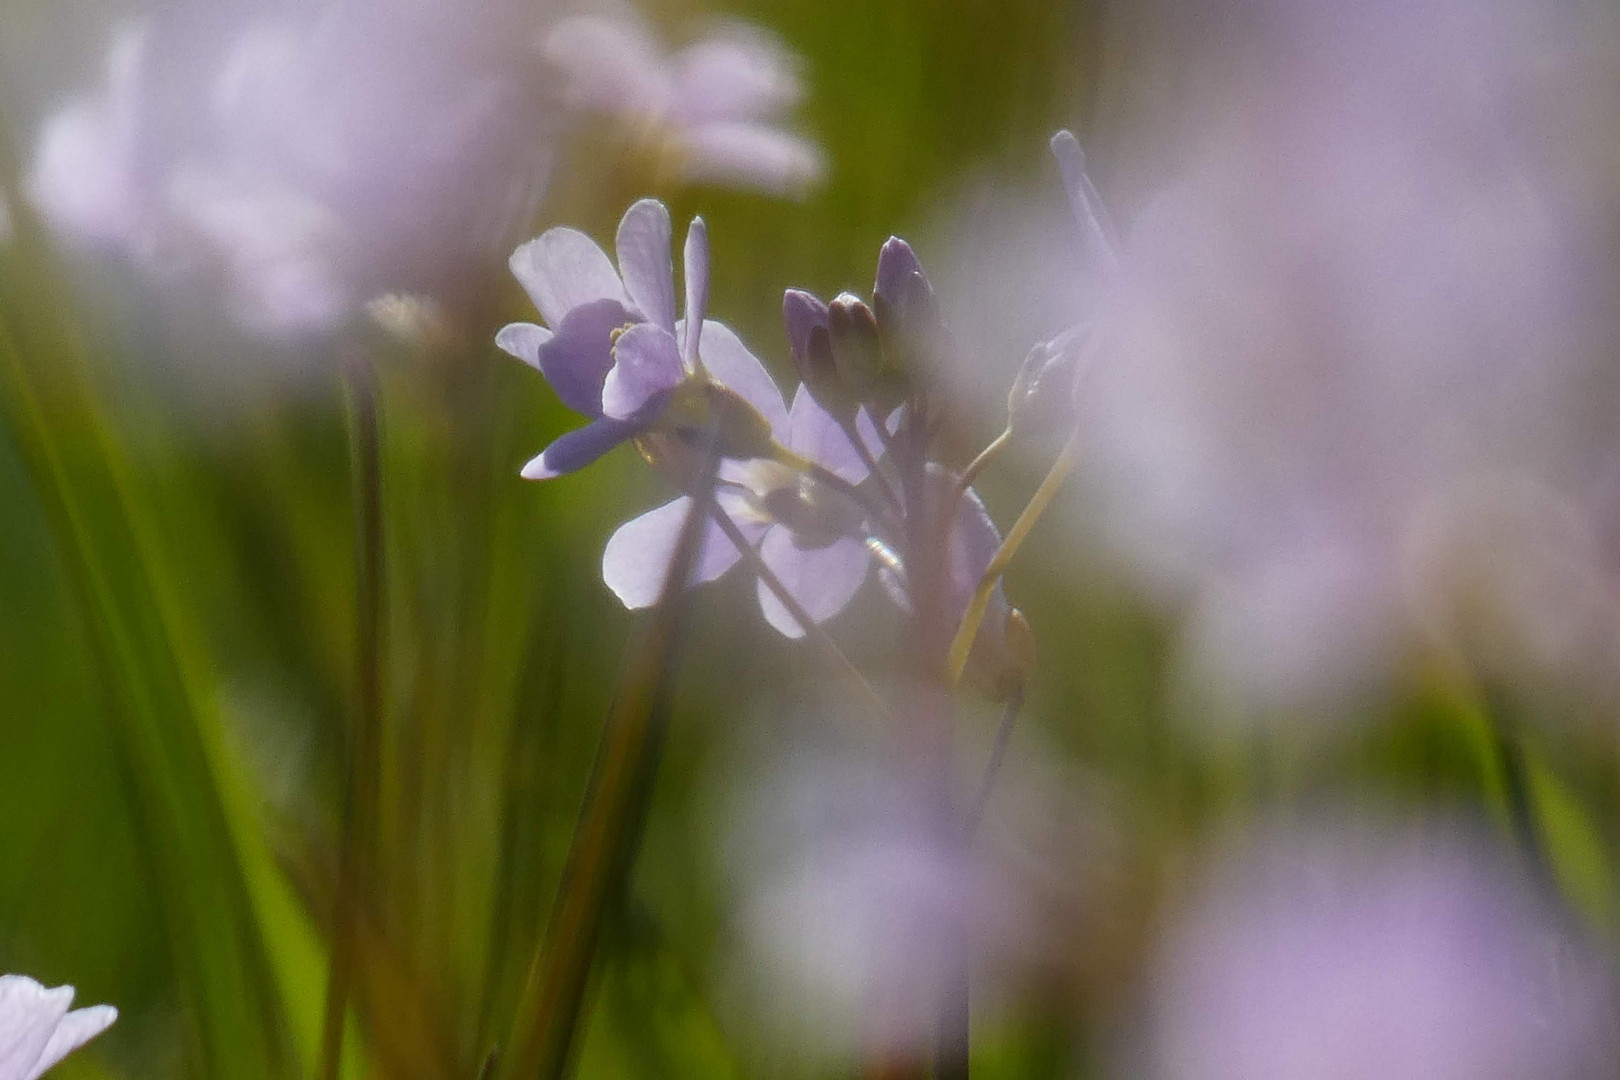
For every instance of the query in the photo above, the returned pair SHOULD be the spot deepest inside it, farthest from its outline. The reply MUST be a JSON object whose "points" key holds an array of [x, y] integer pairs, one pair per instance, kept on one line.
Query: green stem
{"points": [[962, 644], [610, 822], [360, 806]]}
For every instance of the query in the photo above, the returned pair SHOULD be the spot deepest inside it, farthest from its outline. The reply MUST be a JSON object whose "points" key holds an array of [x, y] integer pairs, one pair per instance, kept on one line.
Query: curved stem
{"points": [[962, 644], [976, 466], [852, 433], [823, 475]]}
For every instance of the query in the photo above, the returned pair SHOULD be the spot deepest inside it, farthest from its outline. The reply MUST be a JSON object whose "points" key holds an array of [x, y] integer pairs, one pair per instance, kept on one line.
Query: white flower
{"points": [[716, 103], [37, 1030]]}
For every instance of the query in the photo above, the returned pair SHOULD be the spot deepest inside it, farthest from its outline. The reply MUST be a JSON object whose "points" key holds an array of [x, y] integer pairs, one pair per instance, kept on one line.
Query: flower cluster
{"points": [[814, 495]]}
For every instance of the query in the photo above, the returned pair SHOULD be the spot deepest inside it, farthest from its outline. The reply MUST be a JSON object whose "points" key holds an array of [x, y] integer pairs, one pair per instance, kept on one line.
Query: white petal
{"points": [[77, 1028], [642, 245], [755, 156], [523, 340], [29, 1014]]}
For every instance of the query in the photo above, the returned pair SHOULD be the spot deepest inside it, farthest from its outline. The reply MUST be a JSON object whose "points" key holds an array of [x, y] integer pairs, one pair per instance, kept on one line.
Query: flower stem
{"points": [[976, 466], [365, 749], [962, 644], [811, 628], [998, 753], [852, 433], [609, 829]]}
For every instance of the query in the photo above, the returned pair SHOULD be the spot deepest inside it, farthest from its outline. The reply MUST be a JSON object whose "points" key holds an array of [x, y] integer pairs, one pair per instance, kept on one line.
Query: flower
{"points": [[714, 103], [310, 164], [811, 535], [1345, 954], [37, 1030], [614, 351]]}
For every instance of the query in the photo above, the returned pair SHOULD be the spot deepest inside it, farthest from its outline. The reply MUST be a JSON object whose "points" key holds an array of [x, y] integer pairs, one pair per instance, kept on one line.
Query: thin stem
{"points": [[976, 466], [852, 433], [962, 644], [610, 823], [811, 628], [1516, 789], [360, 799], [998, 753]]}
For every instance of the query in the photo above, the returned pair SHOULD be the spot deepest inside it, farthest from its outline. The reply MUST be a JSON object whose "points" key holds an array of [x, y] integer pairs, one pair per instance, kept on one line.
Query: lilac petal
{"points": [[729, 361], [77, 1028], [813, 433], [1086, 204], [974, 542], [578, 448], [578, 357], [563, 269], [610, 63], [646, 365], [29, 1014], [523, 340], [756, 157], [697, 289], [736, 74], [637, 557], [644, 260], [801, 314], [822, 580]]}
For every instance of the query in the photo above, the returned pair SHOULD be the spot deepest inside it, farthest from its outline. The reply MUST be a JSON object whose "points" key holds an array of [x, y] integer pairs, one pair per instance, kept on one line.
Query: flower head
{"points": [[715, 104], [37, 1030], [615, 353]]}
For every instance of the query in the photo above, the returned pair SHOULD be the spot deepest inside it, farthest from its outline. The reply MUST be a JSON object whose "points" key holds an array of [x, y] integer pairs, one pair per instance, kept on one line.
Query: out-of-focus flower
{"points": [[311, 164], [37, 1030], [1365, 290], [856, 896], [1341, 956], [714, 107]]}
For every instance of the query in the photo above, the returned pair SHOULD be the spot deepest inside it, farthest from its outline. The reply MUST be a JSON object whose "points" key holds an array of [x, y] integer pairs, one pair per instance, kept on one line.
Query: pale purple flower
{"points": [[37, 1030], [306, 164], [612, 348], [715, 104], [813, 538], [1337, 954]]}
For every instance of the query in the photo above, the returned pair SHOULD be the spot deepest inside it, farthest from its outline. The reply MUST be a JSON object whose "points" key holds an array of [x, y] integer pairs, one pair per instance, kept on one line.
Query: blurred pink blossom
{"points": [[1368, 286], [715, 106], [1341, 954]]}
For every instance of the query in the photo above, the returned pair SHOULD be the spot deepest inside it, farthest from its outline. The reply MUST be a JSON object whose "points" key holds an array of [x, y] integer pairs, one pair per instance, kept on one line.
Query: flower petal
{"points": [[738, 73], [578, 448], [576, 360], [610, 63], [29, 1014], [753, 156], [644, 260], [646, 365], [523, 340], [728, 360], [802, 313], [77, 1028], [813, 433], [637, 556], [823, 580], [697, 288], [562, 269]]}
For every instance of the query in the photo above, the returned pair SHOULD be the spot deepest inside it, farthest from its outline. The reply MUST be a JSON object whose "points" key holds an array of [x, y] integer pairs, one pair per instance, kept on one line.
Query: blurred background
{"points": [[1317, 774]]}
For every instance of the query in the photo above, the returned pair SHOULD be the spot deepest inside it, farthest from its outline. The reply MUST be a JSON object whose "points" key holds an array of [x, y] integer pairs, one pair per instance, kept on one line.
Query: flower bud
{"points": [[907, 314], [807, 319], [854, 337], [1043, 395]]}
